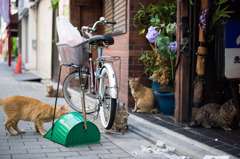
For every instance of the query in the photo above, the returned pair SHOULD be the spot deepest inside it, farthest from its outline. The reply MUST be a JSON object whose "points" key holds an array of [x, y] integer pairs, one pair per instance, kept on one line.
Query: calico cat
{"points": [[121, 119], [52, 92], [28, 109], [143, 96], [214, 115]]}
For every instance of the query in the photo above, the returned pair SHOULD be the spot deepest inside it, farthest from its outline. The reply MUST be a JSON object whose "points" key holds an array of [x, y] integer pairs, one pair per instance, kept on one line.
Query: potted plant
{"points": [[159, 62], [166, 48]]}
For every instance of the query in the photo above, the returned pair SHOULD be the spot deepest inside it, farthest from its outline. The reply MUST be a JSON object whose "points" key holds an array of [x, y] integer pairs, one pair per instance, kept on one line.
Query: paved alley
{"points": [[33, 145]]}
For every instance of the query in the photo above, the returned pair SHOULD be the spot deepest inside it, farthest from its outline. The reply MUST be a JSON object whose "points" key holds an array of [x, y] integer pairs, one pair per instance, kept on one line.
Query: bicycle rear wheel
{"points": [[108, 104], [72, 93]]}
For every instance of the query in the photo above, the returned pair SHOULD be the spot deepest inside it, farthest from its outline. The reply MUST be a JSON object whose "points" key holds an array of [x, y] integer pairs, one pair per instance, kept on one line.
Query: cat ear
{"points": [[130, 78], [63, 108]]}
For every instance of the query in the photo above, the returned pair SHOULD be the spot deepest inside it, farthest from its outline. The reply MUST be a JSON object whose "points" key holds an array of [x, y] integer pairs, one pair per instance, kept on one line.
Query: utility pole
{"points": [[9, 36]]}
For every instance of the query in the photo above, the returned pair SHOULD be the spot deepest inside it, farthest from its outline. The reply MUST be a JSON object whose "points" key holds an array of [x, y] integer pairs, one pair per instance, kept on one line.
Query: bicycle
{"points": [[102, 82]]}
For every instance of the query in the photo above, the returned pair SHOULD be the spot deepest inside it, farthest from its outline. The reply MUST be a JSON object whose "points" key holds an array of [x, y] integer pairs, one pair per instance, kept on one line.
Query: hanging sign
{"points": [[232, 50]]}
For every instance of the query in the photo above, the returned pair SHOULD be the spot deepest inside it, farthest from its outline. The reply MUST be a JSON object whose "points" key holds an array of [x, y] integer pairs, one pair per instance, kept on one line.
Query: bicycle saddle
{"points": [[108, 40]]}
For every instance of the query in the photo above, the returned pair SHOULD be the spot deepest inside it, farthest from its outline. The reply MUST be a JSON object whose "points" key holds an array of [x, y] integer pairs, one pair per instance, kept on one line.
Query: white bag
{"points": [[67, 33]]}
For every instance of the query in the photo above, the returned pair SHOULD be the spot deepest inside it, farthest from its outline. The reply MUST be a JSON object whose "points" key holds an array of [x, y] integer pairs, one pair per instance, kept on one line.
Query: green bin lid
{"points": [[68, 131]]}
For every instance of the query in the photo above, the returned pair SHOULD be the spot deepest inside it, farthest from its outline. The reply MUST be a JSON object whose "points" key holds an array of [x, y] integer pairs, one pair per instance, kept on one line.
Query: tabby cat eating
{"points": [[28, 109], [214, 115]]}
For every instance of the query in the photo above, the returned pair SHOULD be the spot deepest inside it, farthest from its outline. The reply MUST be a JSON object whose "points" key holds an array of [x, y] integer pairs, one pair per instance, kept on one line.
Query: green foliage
{"points": [[158, 62], [164, 12], [149, 59], [218, 14], [54, 4], [191, 2], [14, 47], [166, 36], [162, 44]]}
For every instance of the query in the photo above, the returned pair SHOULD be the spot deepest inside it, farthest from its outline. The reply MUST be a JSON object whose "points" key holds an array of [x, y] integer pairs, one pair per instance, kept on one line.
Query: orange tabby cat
{"points": [[143, 96], [28, 109]]}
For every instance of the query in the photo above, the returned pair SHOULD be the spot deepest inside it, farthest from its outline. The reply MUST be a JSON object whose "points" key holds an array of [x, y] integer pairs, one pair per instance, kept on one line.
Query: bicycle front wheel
{"points": [[72, 93], [108, 104]]}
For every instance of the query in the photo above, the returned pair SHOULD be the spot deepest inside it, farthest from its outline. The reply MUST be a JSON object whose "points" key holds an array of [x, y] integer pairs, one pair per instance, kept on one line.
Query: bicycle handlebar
{"points": [[89, 30], [110, 22]]}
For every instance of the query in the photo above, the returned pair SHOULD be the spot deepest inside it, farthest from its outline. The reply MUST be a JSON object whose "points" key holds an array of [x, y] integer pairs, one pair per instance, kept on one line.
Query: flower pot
{"points": [[155, 85], [166, 102]]}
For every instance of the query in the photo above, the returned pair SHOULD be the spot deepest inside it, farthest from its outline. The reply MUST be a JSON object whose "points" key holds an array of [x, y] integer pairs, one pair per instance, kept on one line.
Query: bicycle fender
{"points": [[112, 80]]}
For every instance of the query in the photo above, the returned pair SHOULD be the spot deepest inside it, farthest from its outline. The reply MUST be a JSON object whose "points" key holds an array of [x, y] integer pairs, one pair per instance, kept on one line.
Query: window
{"points": [[116, 10]]}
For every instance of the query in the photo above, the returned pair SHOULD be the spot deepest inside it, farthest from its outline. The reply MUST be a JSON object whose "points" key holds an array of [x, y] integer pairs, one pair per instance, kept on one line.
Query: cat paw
{"points": [[43, 133], [192, 123], [227, 129], [207, 126], [21, 132], [13, 133], [134, 110]]}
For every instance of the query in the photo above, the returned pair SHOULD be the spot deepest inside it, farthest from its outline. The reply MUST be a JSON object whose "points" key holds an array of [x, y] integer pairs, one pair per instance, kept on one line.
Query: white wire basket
{"points": [[76, 55]]}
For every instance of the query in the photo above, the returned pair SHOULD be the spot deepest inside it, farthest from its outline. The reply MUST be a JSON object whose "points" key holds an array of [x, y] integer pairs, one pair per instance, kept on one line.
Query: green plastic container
{"points": [[68, 131]]}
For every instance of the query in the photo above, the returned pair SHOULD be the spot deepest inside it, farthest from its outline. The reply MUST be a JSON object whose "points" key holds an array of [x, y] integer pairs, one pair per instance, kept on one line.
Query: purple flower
{"points": [[173, 46], [152, 34], [203, 18]]}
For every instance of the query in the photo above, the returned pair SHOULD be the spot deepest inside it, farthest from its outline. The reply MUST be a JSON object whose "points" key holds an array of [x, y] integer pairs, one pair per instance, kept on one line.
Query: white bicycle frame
{"points": [[114, 87], [112, 81]]}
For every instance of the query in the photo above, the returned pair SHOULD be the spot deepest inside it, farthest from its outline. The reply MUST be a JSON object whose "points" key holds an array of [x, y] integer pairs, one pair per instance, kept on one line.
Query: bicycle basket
{"points": [[76, 55]]}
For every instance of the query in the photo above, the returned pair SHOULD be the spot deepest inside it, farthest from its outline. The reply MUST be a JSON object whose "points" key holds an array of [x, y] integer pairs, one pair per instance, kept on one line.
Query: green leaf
{"points": [[162, 25], [165, 7], [143, 31], [164, 53], [172, 57], [191, 2], [152, 20], [222, 1]]}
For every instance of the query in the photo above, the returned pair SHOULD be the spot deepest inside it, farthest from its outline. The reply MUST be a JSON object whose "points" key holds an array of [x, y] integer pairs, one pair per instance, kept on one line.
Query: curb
{"points": [[183, 144]]}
